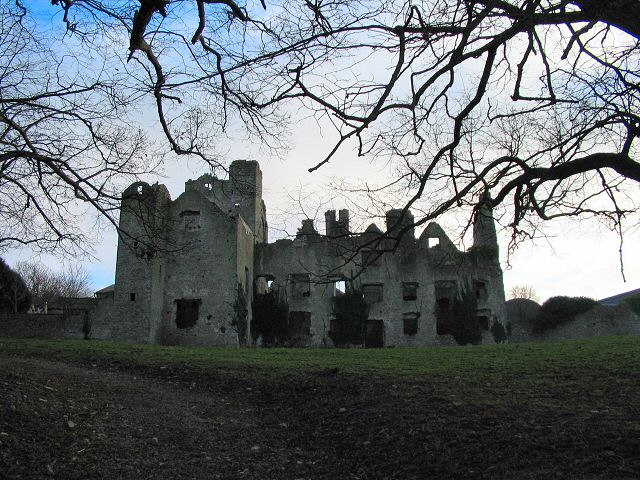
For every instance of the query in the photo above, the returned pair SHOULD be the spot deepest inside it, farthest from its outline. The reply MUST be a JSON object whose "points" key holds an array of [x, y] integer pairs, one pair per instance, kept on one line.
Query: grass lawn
{"points": [[567, 409], [604, 354]]}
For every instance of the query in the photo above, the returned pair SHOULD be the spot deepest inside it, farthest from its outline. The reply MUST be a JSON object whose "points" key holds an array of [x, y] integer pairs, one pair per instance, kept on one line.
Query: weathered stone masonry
{"points": [[179, 272], [187, 271]]}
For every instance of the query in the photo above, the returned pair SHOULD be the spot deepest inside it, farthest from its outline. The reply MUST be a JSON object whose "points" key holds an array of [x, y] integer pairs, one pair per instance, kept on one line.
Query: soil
{"points": [[106, 420]]}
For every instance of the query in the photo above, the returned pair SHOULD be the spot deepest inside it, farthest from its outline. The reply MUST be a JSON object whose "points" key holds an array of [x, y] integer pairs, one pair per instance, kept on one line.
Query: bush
{"points": [[351, 313], [14, 294], [482, 254], [634, 303], [270, 319], [465, 326], [239, 321], [559, 310], [498, 331]]}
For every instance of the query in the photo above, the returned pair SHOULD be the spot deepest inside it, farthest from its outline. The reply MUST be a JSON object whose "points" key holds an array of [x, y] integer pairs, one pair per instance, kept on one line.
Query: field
{"points": [[108, 410]]}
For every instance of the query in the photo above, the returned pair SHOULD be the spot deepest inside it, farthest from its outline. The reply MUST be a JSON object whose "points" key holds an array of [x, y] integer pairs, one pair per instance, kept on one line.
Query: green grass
{"points": [[614, 354]]}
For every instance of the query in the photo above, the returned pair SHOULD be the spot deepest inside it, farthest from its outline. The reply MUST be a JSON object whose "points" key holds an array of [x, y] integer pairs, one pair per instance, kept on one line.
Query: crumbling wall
{"points": [[292, 267], [520, 315], [397, 291], [240, 194], [197, 290], [399, 276], [600, 321], [202, 277]]}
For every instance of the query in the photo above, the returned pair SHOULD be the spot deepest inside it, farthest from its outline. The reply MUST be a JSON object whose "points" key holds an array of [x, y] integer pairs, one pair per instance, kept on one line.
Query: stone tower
{"points": [[240, 194], [484, 228], [245, 178], [139, 268]]}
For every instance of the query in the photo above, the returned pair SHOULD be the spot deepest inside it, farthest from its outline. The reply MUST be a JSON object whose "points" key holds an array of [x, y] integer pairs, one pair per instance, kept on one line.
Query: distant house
{"points": [[106, 292], [618, 299]]}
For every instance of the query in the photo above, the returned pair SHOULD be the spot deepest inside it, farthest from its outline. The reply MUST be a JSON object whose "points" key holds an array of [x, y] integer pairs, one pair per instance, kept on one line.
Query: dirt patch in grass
{"points": [[102, 419]]}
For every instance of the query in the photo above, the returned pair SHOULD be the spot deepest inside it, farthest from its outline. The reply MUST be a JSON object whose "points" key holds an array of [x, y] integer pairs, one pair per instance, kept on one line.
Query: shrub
{"points": [[465, 326], [498, 331], [559, 310], [482, 254], [239, 321], [351, 313], [269, 320], [14, 295], [634, 303]]}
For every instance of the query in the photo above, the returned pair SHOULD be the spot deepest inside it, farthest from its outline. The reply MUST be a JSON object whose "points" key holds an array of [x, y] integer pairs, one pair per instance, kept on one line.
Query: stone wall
{"points": [[102, 320], [520, 313], [400, 281], [42, 325], [600, 321], [204, 272]]}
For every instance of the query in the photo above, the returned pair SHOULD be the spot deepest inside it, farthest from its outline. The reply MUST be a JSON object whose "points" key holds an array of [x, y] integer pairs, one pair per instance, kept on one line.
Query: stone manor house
{"points": [[199, 269], [190, 267]]}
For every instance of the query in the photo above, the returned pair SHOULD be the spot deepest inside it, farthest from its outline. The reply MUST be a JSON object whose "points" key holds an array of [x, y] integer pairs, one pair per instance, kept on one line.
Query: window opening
{"points": [[191, 219], [409, 291], [132, 297], [446, 291], [410, 323], [443, 316], [480, 289], [372, 293], [433, 242], [334, 327], [340, 287], [300, 285], [263, 284], [374, 334], [187, 311], [299, 324]]}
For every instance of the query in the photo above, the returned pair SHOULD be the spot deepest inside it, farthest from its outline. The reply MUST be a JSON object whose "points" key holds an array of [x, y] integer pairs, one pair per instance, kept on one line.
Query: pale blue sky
{"points": [[578, 258]]}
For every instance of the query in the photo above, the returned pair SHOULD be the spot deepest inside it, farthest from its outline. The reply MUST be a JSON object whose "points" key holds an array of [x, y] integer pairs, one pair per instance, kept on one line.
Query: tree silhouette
{"points": [[535, 101]]}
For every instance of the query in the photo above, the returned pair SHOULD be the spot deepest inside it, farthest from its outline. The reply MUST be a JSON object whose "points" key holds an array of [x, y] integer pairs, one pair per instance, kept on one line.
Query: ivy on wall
{"points": [[270, 319], [351, 313]]}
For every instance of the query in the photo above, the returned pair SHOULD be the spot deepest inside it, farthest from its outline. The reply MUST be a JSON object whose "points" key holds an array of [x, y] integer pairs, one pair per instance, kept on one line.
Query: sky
{"points": [[576, 258]]}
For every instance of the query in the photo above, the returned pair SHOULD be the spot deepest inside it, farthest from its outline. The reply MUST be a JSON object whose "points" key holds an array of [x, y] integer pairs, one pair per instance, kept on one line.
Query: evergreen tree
{"points": [[14, 294]]}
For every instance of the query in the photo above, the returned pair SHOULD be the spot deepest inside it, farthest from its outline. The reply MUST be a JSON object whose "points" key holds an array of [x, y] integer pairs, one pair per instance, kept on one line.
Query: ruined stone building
{"points": [[193, 270], [190, 267]]}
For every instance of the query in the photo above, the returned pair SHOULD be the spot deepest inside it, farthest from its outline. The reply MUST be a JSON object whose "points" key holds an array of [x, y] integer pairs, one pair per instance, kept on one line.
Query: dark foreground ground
{"points": [[104, 419]]}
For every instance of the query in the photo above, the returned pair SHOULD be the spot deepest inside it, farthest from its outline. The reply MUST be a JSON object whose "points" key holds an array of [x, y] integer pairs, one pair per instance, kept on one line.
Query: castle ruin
{"points": [[188, 269]]}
